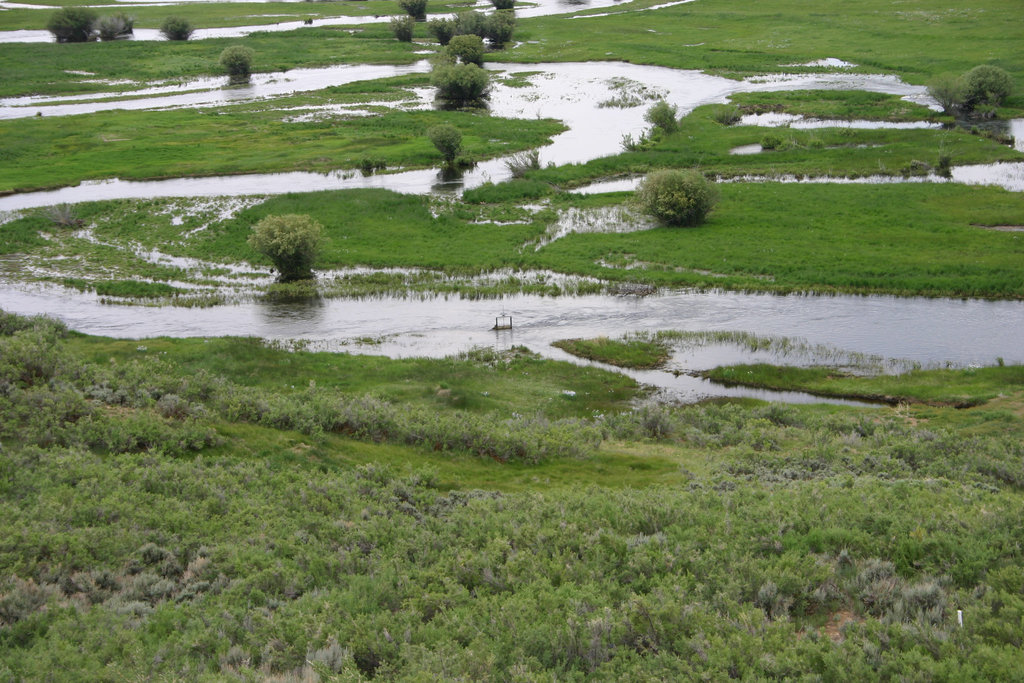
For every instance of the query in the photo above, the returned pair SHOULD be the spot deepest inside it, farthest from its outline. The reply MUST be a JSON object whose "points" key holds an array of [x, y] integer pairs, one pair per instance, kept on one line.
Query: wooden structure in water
{"points": [[502, 322]]}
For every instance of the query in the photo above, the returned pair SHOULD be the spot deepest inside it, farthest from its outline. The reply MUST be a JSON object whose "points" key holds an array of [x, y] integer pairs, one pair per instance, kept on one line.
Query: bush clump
{"points": [[467, 49], [237, 61], [986, 85], [676, 197], [447, 139], [72, 24], [417, 9], [442, 29], [460, 84], [291, 242], [663, 116], [176, 28], [403, 27], [115, 26]]}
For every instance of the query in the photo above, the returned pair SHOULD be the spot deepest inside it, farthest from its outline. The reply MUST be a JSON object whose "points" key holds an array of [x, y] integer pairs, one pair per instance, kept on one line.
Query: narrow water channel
{"points": [[931, 332]]}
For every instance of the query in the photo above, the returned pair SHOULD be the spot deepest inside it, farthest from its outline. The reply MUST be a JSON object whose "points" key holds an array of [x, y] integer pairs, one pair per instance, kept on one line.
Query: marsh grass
{"points": [[625, 353]]}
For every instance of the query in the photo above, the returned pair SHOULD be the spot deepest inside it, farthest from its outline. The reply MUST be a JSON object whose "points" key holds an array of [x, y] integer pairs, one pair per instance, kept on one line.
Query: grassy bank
{"points": [[214, 539]]}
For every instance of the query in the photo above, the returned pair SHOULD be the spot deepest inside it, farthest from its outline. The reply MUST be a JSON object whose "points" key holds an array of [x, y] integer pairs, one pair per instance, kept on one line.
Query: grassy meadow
{"points": [[215, 509]]}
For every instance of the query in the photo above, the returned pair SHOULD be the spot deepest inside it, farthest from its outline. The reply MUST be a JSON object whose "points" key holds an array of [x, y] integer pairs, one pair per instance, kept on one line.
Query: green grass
{"points": [[48, 152], [959, 388], [626, 353], [734, 36]]}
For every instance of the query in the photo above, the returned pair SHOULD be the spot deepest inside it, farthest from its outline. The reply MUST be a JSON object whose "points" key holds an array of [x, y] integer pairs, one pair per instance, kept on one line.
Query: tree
{"points": [[663, 117], [503, 4], [417, 9], [468, 49], [986, 85], [291, 242], [448, 141], [676, 197], [402, 27], [176, 28], [460, 83], [237, 60], [72, 24]]}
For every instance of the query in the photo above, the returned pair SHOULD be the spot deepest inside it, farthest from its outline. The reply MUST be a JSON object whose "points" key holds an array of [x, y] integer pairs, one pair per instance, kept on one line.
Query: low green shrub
{"points": [[176, 28], [72, 24], [237, 61], [402, 28], [676, 197]]}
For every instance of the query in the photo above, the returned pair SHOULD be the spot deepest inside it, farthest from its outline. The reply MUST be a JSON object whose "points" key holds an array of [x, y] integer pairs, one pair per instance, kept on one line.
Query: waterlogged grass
{"points": [[623, 353], [898, 239], [959, 388], [733, 36], [48, 152], [48, 68], [835, 104], [216, 15]]}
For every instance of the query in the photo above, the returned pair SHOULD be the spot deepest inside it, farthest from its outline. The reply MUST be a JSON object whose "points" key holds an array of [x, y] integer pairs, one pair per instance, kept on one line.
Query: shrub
{"points": [[460, 83], [237, 60], [503, 4], [417, 9], [676, 197], [468, 49], [115, 26], [726, 114], [474, 23], [948, 91], [176, 28], [291, 242], [402, 27], [662, 116], [447, 139], [986, 85], [72, 24], [442, 29], [771, 141], [499, 27], [519, 163]]}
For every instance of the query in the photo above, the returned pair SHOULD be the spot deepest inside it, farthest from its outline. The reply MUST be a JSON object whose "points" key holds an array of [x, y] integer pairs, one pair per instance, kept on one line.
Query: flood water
{"points": [[931, 332]]}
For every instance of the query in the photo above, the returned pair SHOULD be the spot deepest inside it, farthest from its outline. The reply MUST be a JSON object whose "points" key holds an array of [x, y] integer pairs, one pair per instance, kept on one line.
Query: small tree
{"points": [[442, 29], [460, 84], [503, 4], [72, 24], [115, 26], [448, 141], [468, 49], [237, 60], [417, 9], [176, 28], [663, 116], [676, 197], [291, 242], [403, 27], [471, 23], [499, 27], [986, 85], [948, 91]]}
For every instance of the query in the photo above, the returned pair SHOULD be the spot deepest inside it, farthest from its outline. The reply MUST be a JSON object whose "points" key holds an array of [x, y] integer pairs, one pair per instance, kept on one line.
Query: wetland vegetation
{"points": [[231, 508]]}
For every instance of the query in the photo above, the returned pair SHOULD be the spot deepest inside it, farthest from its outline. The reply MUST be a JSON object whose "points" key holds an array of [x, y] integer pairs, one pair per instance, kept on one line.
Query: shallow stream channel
{"points": [[833, 330]]}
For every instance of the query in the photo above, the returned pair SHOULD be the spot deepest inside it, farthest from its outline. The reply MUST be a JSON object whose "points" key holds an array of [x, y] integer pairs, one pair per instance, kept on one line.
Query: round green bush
{"points": [[291, 242], [176, 28], [442, 29], [72, 24], [447, 139], [460, 83], [676, 197], [468, 49], [986, 85], [417, 9], [237, 60]]}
